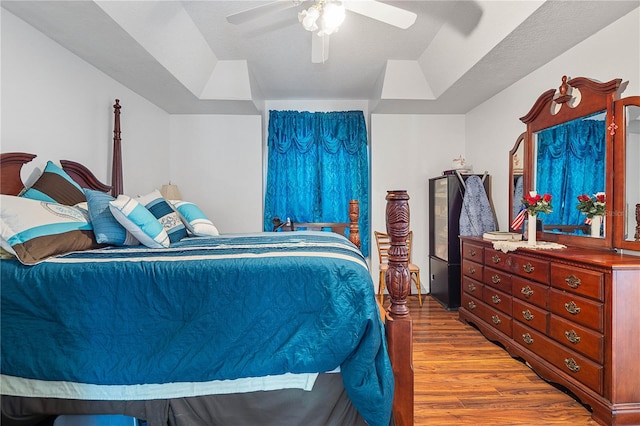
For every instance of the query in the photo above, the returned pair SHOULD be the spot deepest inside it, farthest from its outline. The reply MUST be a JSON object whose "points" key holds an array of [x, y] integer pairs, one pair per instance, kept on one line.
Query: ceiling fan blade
{"points": [[319, 48], [386, 13], [259, 11]]}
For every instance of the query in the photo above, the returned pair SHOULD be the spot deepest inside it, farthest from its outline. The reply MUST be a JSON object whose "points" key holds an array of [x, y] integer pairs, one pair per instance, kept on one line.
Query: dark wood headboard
{"points": [[11, 164]]}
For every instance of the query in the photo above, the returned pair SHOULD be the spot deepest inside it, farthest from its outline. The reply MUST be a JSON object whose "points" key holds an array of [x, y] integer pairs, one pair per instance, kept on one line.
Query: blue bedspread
{"points": [[204, 309]]}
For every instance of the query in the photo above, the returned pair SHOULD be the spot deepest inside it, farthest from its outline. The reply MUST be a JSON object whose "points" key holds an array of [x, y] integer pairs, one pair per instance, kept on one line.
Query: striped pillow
{"points": [[169, 218], [139, 221], [195, 220], [55, 186], [34, 230]]}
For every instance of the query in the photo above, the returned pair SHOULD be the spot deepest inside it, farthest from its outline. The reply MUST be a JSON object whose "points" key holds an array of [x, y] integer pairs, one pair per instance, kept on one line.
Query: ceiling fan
{"points": [[323, 17]]}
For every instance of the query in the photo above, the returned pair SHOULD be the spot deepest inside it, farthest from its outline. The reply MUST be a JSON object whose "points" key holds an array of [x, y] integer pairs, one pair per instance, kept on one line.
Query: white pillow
{"points": [[139, 221], [194, 219]]}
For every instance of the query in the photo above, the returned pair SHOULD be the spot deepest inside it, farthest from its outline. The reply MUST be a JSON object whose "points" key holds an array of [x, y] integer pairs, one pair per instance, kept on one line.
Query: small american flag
{"points": [[518, 221]]}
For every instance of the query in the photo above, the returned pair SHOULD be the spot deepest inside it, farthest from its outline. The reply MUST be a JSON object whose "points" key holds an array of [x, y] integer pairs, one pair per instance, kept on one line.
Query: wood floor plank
{"points": [[461, 378]]}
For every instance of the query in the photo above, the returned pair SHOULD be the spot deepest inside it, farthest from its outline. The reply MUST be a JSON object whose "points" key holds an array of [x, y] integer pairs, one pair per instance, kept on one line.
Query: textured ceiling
{"points": [[186, 58]]}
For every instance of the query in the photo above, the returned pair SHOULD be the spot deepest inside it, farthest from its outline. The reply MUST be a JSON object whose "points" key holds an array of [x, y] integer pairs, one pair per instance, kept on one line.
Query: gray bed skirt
{"points": [[326, 404]]}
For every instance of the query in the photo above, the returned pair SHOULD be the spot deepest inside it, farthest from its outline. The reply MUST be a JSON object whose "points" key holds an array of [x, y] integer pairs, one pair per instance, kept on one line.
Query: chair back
{"points": [[383, 242]]}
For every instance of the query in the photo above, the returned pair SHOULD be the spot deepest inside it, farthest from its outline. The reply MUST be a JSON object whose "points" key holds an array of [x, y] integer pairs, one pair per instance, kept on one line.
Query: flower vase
{"points": [[596, 224], [531, 230]]}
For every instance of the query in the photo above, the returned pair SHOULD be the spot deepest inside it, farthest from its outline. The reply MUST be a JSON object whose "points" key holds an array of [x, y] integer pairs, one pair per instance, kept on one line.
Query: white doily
{"points": [[507, 246]]}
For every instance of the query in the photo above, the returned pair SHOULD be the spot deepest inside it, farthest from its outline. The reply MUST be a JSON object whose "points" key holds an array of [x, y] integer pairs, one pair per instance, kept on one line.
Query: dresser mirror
{"points": [[516, 177], [569, 161], [627, 161], [570, 153]]}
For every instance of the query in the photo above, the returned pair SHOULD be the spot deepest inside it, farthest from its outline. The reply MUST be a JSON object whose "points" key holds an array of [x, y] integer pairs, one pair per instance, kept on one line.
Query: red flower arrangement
{"points": [[536, 203], [592, 206]]}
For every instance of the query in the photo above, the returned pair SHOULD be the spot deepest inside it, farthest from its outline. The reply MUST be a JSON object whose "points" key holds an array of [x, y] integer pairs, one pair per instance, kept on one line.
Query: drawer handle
{"points": [[572, 364], [496, 258], [572, 336], [495, 279], [472, 270], [527, 338], [495, 298], [471, 287], [573, 281], [472, 252], [527, 291], [527, 315], [572, 308], [472, 305], [495, 319], [528, 268]]}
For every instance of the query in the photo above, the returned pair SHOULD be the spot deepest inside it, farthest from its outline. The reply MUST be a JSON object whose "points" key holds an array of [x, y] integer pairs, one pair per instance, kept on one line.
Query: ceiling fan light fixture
{"points": [[324, 16]]}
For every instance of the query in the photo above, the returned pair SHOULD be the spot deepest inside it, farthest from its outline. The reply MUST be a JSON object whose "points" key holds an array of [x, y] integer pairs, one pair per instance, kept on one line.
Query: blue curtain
{"points": [[571, 162], [317, 162]]}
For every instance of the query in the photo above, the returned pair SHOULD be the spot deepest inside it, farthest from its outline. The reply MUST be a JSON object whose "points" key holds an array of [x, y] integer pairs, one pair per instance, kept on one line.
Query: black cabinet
{"points": [[445, 203]]}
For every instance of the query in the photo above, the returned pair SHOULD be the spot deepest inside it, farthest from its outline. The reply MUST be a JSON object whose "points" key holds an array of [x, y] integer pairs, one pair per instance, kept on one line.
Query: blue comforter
{"points": [[204, 309]]}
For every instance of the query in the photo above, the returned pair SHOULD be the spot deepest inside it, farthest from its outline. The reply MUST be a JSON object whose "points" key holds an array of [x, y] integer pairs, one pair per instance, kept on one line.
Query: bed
{"points": [[264, 328]]}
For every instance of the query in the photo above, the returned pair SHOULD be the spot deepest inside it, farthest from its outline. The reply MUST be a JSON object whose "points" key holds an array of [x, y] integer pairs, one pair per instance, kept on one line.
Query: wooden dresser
{"points": [[573, 314]]}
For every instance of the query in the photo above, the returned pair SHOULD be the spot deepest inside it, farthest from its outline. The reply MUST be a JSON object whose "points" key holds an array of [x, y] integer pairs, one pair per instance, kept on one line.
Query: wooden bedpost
{"points": [[354, 217], [400, 327], [116, 163]]}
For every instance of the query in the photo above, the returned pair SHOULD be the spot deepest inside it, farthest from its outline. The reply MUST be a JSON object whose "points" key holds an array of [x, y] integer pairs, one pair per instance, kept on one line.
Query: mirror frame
{"points": [[594, 97], [620, 164], [521, 141]]}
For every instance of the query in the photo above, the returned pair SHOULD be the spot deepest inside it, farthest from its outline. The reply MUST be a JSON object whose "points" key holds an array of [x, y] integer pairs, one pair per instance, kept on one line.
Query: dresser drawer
{"points": [[497, 259], [578, 280], [472, 252], [530, 291], [530, 315], [577, 309], [533, 269], [491, 316], [498, 279], [471, 286], [472, 269], [576, 366], [497, 299], [577, 338]]}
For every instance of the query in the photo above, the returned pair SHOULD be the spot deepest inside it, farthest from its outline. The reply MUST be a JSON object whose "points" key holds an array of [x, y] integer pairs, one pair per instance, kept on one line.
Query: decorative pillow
{"points": [[195, 220], [169, 218], [139, 221], [35, 230], [106, 228], [55, 186]]}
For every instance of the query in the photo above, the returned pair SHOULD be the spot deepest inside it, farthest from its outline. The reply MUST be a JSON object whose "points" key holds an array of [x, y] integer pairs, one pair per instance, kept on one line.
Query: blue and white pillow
{"points": [[34, 230], [166, 215], [106, 228], [195, 220], [139, 221], [55, 186]]}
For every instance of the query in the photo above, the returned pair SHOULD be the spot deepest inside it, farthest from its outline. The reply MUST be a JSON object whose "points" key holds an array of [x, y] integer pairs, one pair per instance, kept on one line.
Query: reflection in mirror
{"points": [[516, 177], [569, 161], [632, 196]]}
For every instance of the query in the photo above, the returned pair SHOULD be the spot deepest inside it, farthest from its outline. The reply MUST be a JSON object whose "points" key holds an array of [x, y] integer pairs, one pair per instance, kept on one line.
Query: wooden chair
{"points": [[383, 242]]}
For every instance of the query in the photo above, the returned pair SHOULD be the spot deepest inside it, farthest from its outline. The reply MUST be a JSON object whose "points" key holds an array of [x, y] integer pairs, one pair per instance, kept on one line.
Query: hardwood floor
{"points": [[462, 378]]}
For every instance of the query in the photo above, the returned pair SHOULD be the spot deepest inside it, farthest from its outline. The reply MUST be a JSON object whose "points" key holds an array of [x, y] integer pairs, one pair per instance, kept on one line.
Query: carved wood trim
{"points": [[10, 165], [83, 176], [116, 164]]}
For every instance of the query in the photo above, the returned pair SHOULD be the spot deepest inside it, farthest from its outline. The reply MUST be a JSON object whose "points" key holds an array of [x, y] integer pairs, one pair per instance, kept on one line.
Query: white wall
{"points": [[59, 107], [407, 150], [493, 127], [216, 161]]}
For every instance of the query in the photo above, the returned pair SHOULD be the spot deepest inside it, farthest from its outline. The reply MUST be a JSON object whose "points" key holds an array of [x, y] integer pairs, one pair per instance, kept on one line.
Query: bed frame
{"points": [[398, 323]]}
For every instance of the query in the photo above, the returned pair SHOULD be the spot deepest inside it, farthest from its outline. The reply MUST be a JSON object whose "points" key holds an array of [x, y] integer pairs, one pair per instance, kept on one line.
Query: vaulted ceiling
{"points": [[185, 57]]}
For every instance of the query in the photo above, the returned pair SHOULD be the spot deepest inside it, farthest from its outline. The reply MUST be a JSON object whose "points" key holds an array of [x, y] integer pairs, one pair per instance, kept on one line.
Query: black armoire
{"points": [[445, 203]]}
